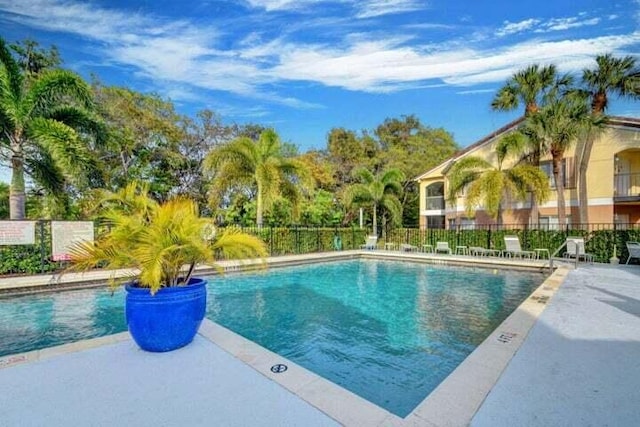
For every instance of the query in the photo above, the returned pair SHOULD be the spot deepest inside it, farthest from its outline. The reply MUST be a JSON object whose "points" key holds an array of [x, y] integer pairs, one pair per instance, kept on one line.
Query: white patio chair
{"points": [[406, 247], [443, 247], [371, 243], [575, 249], [634, 250], [513, 248]]}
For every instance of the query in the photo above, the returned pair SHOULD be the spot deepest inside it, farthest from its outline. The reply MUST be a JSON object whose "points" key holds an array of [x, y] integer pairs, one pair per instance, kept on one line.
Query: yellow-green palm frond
{"points": [[235, 244], [463, 173]]}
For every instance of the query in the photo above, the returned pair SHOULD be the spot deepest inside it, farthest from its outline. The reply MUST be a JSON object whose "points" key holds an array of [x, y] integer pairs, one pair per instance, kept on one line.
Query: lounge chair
{"points": [[443, 247], [634, 250], [371, 243], [575, 249], [513, 248], [480, 251], [406, 247]]}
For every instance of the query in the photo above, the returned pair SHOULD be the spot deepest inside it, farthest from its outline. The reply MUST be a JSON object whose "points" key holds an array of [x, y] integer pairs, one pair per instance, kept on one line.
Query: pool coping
{"points": [[25, 285], [453, 403]]}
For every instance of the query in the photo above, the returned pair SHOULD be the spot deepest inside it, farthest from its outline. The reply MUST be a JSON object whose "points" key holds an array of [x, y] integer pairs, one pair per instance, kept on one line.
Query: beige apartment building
{"points": [[613, 182]]}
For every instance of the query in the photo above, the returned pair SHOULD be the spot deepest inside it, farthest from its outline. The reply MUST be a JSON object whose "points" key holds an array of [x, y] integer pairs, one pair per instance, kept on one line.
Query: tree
{"points": [[378, 191], [199, 138], [558, 125], [42, 123], [412, 148], [257, 164], [488, 185], [4, 201], [34, 60], [348, 152], [143, 139], [531, 87], [612, 75]]}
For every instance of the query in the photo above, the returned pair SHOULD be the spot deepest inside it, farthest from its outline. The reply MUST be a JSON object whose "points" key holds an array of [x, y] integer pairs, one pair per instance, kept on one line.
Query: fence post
{"points": [[42, 255], [271, 240], [489, 237]]}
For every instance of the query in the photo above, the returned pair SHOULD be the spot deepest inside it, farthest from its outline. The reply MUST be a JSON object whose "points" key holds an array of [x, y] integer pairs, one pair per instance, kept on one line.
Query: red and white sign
{"points": [[17, 233], [65, 234]]}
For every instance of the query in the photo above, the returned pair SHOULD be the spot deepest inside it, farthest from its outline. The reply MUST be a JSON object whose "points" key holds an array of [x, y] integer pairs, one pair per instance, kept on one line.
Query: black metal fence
{"points": [[37, 258], [600, 241]]}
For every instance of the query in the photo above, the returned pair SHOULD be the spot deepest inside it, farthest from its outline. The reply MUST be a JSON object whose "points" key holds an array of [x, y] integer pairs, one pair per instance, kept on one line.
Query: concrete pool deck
{"points": [[592, 320]]}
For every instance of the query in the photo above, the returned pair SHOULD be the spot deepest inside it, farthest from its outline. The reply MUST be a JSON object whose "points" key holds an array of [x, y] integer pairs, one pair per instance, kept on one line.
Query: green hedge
{"points": [[34, 259], [600, 243]]}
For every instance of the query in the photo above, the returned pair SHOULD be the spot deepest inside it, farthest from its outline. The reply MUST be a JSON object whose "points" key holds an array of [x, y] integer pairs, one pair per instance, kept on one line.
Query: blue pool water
{"points": [[388, 331]]}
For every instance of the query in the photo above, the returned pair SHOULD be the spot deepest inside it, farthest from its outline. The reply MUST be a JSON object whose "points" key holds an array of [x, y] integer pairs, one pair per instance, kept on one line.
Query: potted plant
{"points": [[161, 244]]}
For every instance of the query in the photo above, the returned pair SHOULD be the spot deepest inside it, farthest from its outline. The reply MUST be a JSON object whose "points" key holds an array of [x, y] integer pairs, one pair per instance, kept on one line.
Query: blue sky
{"points": [[305, 66]]}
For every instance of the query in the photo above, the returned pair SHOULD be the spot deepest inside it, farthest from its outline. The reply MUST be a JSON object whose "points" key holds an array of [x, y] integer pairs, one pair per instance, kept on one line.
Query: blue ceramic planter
{"points": [[167, 320]]}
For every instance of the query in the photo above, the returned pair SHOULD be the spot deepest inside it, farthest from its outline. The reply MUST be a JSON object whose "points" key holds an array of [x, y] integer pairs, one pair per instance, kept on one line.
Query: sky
{"points": [[304, 67]]}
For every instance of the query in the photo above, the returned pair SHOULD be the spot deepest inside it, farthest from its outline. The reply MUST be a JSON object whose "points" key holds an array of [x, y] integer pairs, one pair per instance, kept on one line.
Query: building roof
{"points": [[632, 122], [487, 139]]}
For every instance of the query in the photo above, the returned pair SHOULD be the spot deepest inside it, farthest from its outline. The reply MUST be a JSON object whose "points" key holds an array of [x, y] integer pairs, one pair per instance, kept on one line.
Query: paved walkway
{"points": [[120, 385], [580, 364]]}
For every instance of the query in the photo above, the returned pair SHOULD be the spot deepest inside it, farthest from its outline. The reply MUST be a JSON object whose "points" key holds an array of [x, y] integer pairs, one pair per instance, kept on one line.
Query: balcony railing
{"points": [[627, 185], [435, 203]]}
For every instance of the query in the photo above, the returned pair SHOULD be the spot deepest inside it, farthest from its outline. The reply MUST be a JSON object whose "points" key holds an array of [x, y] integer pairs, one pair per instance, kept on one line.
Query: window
{"points": [[435, 221], [567, 172], [467, 224], [551, 222], [435, 196]]}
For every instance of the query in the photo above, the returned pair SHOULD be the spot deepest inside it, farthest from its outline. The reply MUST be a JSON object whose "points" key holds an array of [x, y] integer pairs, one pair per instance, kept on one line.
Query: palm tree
{"points": [[158, 240], [558, 125], [38, 118], [531, 86], [260, 164], [620, 76], [488, 185], [378, 191]]}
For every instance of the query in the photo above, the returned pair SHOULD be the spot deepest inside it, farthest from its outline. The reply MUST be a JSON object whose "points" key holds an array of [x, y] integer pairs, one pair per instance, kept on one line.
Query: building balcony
{"points": [[626, 187]]}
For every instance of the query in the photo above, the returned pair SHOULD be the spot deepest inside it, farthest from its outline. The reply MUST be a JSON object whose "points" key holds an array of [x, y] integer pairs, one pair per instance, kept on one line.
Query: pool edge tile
{"points": [[460, 395], [333, 400]]}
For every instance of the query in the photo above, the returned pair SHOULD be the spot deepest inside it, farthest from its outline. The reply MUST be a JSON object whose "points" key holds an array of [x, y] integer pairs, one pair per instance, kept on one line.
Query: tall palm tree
{"points": [[38, 121], [612, 75], [260, 164], [530, 86], [557, 126], [488, 184], [378, 191]]}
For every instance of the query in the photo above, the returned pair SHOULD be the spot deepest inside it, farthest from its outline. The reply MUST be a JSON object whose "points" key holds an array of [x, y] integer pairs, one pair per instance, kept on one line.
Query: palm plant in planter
{"points": [[161, 244]]}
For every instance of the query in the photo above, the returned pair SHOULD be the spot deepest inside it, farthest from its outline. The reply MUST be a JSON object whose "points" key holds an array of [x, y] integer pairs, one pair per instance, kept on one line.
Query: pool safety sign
{"points": [[17, 233], [65, 234]]}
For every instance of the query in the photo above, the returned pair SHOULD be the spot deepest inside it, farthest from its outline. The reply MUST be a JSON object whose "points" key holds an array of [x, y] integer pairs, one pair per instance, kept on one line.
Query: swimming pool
{"points": [[388, 331]]}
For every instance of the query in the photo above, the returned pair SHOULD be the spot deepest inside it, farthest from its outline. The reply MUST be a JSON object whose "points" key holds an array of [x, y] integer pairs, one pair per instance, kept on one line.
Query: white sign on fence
{"points": [[66, 233], [17, 233]]}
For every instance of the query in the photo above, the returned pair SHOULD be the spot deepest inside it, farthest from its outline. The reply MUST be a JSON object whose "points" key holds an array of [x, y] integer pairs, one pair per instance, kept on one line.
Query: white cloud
{"points": [[475, 92], [560, 24], [374, 8], [272, 5], [364, 8], [387, 65], [184, 58], [164, 51], [516, 27]]}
